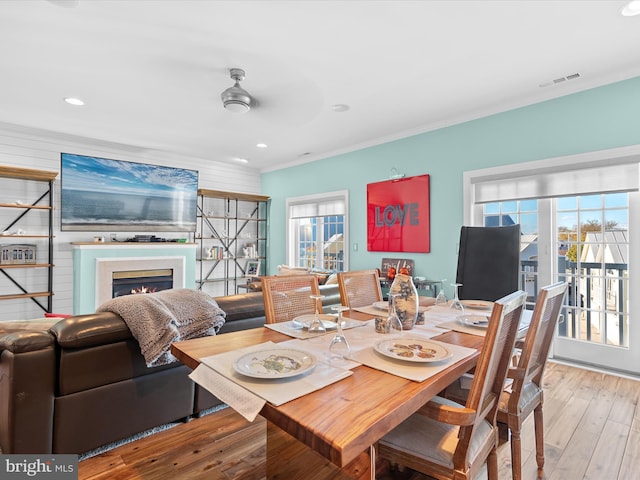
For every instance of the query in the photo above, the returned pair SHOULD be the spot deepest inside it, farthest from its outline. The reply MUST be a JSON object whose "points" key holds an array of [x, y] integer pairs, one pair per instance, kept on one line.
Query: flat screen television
{"points": [[99, 194]]}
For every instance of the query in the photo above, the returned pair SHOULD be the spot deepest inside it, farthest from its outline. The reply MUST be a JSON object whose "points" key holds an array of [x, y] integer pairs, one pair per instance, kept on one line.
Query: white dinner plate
{"points": [[477, 304], [328, 321], [381, 305], [412, 349], [478, 321], [275, 363]]}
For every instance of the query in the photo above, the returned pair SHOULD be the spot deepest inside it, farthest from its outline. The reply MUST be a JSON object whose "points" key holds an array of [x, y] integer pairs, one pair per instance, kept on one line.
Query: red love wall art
{"points": [[398, 215]]}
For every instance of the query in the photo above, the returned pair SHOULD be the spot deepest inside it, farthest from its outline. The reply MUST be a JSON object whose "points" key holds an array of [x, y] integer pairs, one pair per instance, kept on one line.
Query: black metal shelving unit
{"points": [[44, 202], [229, 223]]}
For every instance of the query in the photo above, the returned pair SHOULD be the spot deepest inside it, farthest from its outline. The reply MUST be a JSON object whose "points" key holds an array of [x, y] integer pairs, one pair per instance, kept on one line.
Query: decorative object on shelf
{"points": [[252, 268], [392, 266], [250, 251], [405, 300], [398, 215], [17, 254]]}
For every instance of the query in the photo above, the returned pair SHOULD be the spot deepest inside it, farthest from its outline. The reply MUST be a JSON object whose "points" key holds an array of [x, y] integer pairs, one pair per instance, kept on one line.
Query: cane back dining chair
{"points": [[523, 390], [444, 439], [525, 393], [288, 296], [359, 288]]}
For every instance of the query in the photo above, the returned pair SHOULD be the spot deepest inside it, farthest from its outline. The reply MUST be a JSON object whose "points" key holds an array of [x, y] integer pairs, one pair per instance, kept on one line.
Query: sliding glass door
{"points": [[587, 245], [578, 225]]}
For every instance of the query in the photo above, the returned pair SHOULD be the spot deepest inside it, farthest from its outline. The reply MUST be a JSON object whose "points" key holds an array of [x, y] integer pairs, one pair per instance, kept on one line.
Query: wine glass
{"points": [[456, 304], [394, 325], [441, 298], [316, 327], [339, 349]]}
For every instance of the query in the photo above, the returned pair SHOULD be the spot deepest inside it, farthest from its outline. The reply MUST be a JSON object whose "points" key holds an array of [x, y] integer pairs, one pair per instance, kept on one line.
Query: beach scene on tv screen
{"points": [[102, 194]]}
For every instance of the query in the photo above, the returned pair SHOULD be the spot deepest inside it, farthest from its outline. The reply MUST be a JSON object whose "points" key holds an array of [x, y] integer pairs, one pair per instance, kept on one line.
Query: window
{"points": [[317, 231]]}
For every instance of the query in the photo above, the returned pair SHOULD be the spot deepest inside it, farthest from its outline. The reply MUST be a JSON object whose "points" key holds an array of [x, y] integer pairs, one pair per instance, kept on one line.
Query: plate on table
{"points": [[413, 349], [477, 321], [328, 321], [275, 363], [477, 304], [381, 305]]}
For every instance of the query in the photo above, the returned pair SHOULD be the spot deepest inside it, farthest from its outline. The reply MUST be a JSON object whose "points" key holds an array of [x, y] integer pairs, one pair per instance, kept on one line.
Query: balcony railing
{"points": [[579, 296]]}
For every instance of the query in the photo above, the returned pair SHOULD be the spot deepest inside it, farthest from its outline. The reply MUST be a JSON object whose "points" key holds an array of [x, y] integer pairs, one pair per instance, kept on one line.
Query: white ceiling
{"points": [[151, 72]]}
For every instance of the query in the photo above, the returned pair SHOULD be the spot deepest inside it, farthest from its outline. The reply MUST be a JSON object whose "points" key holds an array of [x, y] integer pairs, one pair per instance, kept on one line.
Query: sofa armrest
{"points": [[27, 390]]}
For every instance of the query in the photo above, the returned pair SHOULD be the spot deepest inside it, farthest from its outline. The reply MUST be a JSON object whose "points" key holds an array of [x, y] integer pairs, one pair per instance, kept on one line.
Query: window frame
{"points": [[291, 240]]}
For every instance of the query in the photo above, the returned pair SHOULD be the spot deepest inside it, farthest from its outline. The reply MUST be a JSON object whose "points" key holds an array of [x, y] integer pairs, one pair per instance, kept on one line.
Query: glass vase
{"points": [[406, 300]]}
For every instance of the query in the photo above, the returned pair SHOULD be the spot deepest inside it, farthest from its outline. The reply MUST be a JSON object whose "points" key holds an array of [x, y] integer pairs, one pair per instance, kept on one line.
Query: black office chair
{"points": [[488, 262]]}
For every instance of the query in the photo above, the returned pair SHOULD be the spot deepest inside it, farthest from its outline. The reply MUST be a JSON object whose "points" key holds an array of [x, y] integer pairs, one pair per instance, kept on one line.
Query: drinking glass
{"points": [[456, 304], [316, 327], [394, 325], [339, 349], [441, 298]]}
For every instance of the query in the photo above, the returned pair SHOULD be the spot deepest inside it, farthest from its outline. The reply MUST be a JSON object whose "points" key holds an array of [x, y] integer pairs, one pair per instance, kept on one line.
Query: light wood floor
{"points": [[592, 431]]}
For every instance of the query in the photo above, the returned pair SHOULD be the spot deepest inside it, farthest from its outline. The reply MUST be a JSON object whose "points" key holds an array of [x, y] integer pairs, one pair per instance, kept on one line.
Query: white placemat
{"points": [[275, 391], [371, 310], [459, 327], [288, 329], [418, 372]]}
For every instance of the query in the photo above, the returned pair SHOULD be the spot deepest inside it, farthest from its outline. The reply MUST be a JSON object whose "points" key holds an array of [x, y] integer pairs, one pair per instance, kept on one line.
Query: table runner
{"points": [[247, 395], [363, 339]]}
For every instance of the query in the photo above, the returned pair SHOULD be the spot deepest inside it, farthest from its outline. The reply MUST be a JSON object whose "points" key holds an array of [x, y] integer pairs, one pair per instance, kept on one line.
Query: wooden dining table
{"points": [[328, 434]]}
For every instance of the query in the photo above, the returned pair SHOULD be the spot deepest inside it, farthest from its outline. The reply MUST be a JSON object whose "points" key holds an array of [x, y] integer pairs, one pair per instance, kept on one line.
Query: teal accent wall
{"points": [[596, 119]]}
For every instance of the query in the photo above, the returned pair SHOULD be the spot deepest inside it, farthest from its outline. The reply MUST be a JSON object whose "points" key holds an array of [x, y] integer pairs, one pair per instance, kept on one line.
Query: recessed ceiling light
{"points": [[340, 107], [630, 9], [241, 160], [261, 145], [74, 101]]}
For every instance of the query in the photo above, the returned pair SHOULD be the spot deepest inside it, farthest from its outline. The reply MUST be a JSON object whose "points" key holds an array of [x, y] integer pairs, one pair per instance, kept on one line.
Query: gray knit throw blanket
{"points": [[158, 319]]}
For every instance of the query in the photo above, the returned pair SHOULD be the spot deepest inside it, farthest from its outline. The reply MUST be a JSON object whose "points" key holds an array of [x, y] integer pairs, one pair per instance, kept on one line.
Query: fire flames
{"points": [[143, 289]]}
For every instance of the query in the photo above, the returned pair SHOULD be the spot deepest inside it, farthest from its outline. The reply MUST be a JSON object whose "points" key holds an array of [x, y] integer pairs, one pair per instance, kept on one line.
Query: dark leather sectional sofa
{"points": [[84, 383]]}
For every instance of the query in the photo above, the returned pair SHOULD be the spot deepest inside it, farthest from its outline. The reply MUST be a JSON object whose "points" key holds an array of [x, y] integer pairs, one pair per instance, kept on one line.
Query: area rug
{"points": [[138, 436]]}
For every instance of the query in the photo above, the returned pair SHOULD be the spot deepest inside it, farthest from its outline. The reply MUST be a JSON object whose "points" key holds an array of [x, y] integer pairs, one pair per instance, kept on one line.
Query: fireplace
{"points": [[134, 282], [117, 276], [94, 264]]}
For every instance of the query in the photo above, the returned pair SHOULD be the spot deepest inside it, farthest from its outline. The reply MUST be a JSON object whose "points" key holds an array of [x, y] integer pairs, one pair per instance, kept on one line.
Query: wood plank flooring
{"points": [[592, 431]]}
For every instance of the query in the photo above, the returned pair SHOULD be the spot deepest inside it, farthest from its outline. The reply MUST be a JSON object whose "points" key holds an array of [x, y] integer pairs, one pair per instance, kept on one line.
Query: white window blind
{"points": [[321, 208], [562, 181]]}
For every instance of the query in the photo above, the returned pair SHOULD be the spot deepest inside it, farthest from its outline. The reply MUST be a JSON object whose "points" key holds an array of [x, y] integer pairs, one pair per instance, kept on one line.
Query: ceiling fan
{"points": [[236, 99]]}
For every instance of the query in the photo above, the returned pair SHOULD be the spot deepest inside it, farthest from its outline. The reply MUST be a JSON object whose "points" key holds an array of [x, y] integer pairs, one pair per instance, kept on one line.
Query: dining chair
{"points": [[359, 288], [444, 439], [488, 262], [288, 296], [525, 394]]}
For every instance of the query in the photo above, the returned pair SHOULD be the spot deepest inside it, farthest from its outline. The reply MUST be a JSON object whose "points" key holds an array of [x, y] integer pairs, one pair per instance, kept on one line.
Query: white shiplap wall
{"points": [[20, 147]]}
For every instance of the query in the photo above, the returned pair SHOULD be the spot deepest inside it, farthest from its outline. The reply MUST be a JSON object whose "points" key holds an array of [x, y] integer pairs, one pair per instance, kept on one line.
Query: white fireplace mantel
{"points": [[94, 264]]}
